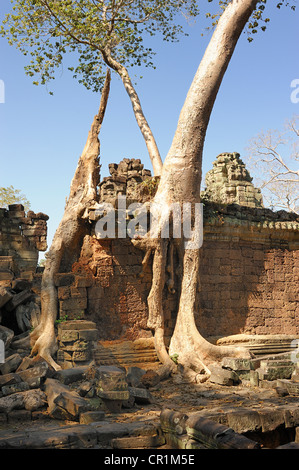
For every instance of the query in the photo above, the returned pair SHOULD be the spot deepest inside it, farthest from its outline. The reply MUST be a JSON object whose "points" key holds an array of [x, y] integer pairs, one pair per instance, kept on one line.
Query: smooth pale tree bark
{"points": [[143, 125], [83, 193], [180, 182]]}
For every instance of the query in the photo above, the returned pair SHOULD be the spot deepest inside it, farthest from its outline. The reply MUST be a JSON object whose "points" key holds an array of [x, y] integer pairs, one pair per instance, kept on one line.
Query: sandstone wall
{"points": [[249, 263], [248, 279], [22, 236]]}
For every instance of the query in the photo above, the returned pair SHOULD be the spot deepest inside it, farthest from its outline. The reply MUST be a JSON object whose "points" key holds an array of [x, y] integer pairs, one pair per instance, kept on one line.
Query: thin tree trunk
{"points": [[83, 192], [144, 127]]}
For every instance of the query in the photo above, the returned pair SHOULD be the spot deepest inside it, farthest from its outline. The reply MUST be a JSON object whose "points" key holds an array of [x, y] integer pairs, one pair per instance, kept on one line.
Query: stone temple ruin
{"points": [[249, 295], [230, 183]]}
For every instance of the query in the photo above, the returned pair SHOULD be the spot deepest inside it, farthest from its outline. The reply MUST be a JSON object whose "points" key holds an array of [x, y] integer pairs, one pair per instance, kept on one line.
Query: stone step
{"points": [[262, 344], [126, 353], [264, 363]]}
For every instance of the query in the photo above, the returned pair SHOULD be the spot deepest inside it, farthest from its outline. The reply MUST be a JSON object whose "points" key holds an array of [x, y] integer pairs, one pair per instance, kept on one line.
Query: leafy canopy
{"points": [[48, 29], [93, 29], [258, 20]]}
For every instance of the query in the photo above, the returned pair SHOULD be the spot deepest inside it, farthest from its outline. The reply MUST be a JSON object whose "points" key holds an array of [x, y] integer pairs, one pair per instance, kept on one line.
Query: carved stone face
{"points": [[227, 180]]}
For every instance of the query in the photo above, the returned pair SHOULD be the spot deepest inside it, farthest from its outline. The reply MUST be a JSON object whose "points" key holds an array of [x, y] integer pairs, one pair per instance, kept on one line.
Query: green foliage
{"points": [[175, 358], [258, 20], [61, 320], [90, 29], [10, 195], [151, 185], [47, 30]]}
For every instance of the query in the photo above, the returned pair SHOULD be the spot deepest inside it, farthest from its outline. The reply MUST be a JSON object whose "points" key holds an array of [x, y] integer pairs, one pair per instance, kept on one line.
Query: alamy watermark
{"points": [[2, 92], [295, 92], [2, 352], [152, 221]]}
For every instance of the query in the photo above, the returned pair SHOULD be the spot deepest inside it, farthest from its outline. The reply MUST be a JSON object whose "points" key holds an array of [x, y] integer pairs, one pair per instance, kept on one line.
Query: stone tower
{"points": [[229, 182]]}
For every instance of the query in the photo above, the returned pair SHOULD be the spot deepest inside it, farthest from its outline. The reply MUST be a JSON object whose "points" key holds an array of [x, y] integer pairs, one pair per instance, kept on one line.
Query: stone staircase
{"points": [[139, 353]]}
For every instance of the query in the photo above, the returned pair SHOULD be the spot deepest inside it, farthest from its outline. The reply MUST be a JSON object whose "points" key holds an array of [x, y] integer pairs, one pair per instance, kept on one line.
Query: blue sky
{"points": [[42, 136]]}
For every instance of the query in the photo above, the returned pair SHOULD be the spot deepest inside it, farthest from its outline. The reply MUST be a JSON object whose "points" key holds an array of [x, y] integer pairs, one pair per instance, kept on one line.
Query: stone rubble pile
{"points": [[123, 180], [276, 371], [22, 236], [30, 389]]}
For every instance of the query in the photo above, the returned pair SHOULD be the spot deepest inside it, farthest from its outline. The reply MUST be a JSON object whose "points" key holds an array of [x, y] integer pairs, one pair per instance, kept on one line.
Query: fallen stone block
{"points": [[18, 299], [237, 364], [64, 403], [110, 382], [11, 364], [6, 335], [86, 389], [14, 388], [223, 376], [68, 376], [34, 400], [9, 379], [21, 341], [39, 371], [271, 419], [11, 402], [276, 372], [5, 296], [141, 395], [134, 375], [30, 399]]}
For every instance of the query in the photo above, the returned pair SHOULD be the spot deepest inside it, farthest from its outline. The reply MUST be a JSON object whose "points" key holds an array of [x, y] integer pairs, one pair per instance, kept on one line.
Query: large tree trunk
{"points": [[69, 234], [180, 182]]}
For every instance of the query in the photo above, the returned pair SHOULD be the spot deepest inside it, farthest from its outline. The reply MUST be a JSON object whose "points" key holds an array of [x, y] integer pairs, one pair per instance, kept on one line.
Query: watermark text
{"points": [[181, 221], [295, 92]]}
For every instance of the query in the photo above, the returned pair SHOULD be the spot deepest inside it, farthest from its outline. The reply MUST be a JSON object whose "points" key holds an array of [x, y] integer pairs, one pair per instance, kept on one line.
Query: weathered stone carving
{"points": [[230, 182], [124, 179]]}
